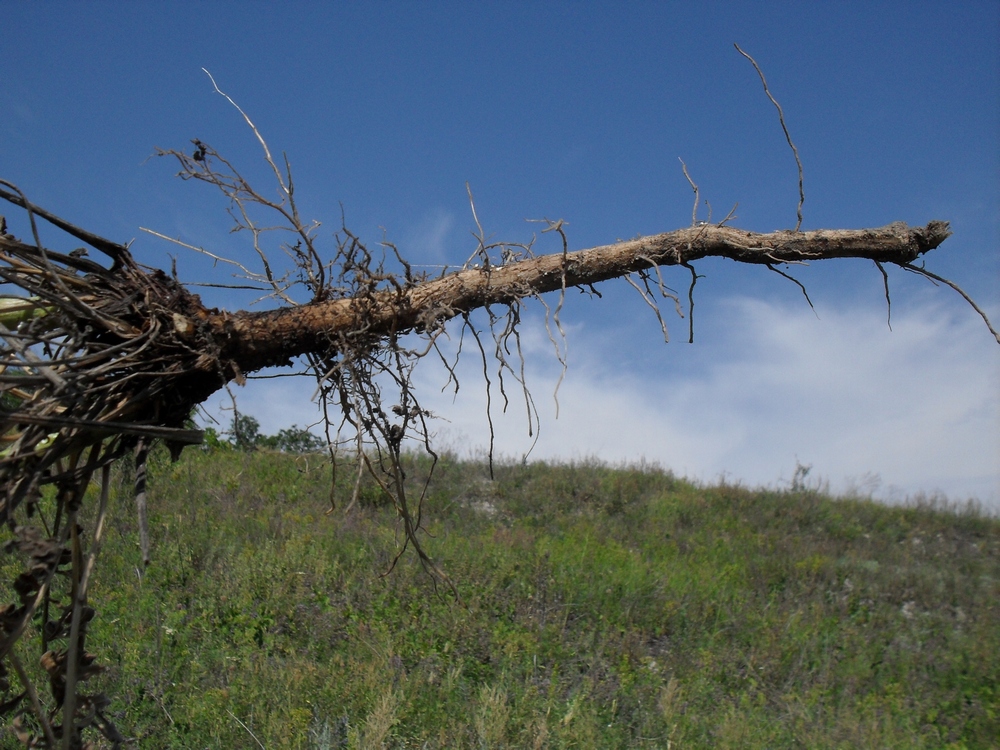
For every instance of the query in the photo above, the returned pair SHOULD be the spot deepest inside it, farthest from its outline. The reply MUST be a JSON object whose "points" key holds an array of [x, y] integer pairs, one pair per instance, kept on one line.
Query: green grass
{"points": [[599, 608]]}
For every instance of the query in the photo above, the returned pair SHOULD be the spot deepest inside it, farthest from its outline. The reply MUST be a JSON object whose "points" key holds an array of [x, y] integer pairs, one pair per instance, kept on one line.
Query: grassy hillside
{"points": [[599, 608]]}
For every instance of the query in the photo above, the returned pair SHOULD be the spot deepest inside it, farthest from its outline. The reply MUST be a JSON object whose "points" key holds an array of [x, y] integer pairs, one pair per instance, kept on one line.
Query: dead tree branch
{"points": [[97, 360], [264, 339]]}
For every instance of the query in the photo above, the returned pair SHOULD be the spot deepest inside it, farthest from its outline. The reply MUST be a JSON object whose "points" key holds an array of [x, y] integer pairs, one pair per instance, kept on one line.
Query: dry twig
{"points": [[784, 128]]}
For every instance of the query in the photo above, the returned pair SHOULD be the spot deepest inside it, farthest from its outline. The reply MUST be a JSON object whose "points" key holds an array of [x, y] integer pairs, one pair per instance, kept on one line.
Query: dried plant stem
{"points": [[141, 461], [74, 653], [36, 705], [245, 727]]}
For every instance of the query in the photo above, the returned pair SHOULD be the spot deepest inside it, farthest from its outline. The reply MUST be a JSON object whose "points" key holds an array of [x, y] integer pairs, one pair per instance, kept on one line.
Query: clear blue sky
{"points": [[580, 111]]}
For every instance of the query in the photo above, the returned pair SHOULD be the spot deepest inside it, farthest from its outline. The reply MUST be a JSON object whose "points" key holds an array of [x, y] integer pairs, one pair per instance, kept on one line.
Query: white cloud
{"points": [[917, 407], [429, 239]]}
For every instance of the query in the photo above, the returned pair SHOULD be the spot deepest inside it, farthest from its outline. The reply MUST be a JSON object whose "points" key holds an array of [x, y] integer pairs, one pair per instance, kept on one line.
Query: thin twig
{"points": [[694, 208], [797, 283], [259, 743], [75, 651], [781, 118], [141, 464], [730, 215], [113, 250], [102, 514], [32, 360], [36, 705], [260, 138], [694, 280], [557, 226], [888, 299], [652, 305], [924, 272], [217, 258]]}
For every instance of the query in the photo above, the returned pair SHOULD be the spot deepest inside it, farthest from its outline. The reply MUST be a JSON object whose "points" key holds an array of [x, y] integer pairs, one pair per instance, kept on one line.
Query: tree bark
{"points": [[252, 341]]}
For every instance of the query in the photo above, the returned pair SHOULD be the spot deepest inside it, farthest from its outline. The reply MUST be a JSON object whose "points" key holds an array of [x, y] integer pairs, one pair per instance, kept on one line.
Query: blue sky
{"points": [[580, 111]]}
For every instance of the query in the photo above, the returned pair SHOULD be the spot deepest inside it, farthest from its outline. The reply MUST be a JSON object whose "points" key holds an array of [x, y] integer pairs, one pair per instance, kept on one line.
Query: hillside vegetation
{"points": [[598, 607]]}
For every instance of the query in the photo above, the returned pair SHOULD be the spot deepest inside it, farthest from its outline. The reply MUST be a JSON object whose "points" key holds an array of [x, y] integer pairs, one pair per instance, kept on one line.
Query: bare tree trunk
{"points": [[250, 341]]}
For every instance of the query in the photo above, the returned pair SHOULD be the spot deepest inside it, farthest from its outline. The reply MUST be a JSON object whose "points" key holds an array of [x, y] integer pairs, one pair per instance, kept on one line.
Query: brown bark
{"points": [[255, 340]]}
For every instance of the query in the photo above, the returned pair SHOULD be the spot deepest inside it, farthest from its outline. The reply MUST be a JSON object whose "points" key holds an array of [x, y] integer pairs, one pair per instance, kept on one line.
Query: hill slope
{"points": [[599, 608]]}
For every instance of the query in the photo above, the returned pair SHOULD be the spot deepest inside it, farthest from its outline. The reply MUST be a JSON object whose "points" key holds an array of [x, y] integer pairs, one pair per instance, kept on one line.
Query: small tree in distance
{"points": [[293, 439], [101, 358], [245, 435]]}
